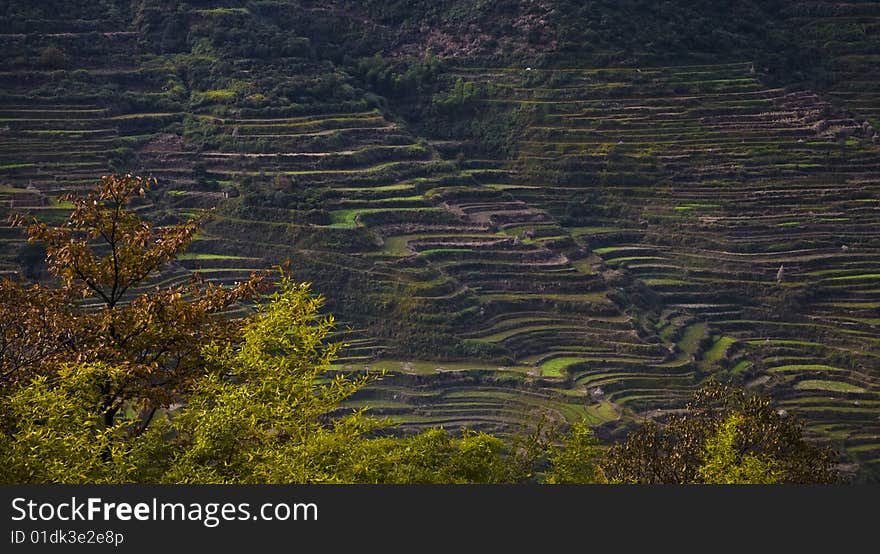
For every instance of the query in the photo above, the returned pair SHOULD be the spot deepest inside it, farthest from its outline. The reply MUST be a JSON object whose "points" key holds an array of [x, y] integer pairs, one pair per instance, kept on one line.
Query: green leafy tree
{"points": [[54, 430], [574, 461], [724, 465], [270, 413], [434, 457], [724, 436], [258, 414]]}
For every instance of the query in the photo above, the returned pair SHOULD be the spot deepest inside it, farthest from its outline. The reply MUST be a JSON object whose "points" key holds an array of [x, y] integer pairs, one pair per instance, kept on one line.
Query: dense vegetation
{"points": [[579, 209]]}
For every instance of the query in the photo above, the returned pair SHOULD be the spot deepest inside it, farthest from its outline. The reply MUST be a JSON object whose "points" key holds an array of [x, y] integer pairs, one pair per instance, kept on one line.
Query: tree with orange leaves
{"points": [[106, 312]]}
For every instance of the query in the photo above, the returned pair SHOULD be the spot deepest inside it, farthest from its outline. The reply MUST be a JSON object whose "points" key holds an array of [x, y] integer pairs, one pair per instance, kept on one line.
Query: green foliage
{"points": [[257, 416], [431, 457], [263, 412], [200, 131], [665, 30], [54, 430], [724, 465], [725, 435], [463, 96], [398, 80], [575, 461]]}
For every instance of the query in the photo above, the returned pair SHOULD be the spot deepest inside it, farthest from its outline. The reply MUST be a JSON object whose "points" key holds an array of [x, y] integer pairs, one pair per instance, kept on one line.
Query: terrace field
{"points": [[589, 239], [742, 225]]}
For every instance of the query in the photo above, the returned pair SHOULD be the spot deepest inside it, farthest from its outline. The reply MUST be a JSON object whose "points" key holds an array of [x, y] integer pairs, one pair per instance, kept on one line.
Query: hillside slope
{"points": [[586, 207]]}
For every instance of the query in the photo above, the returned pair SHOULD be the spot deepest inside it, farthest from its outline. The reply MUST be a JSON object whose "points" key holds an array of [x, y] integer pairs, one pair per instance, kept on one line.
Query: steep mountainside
{"points": [[581, 207]]}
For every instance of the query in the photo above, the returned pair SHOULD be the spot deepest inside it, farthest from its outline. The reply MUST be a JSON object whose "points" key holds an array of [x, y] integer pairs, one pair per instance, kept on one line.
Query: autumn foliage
{"points": [[104, 311]]}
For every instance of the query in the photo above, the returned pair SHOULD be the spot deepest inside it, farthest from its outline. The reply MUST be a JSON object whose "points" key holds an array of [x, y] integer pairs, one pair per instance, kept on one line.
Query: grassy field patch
{"points": [[557, 366], [718, 350], [834, 386], [803, 367], [863, 276]]}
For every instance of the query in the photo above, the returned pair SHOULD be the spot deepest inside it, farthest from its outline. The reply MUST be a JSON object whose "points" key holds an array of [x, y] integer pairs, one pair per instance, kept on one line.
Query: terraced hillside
{"points": [[748, 213], [592, 241], [417, 257], [417, 260], [75, 101]]}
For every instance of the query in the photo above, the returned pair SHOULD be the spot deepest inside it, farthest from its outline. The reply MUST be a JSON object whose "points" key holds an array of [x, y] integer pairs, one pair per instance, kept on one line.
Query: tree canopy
{"points": [[725, 435]]}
